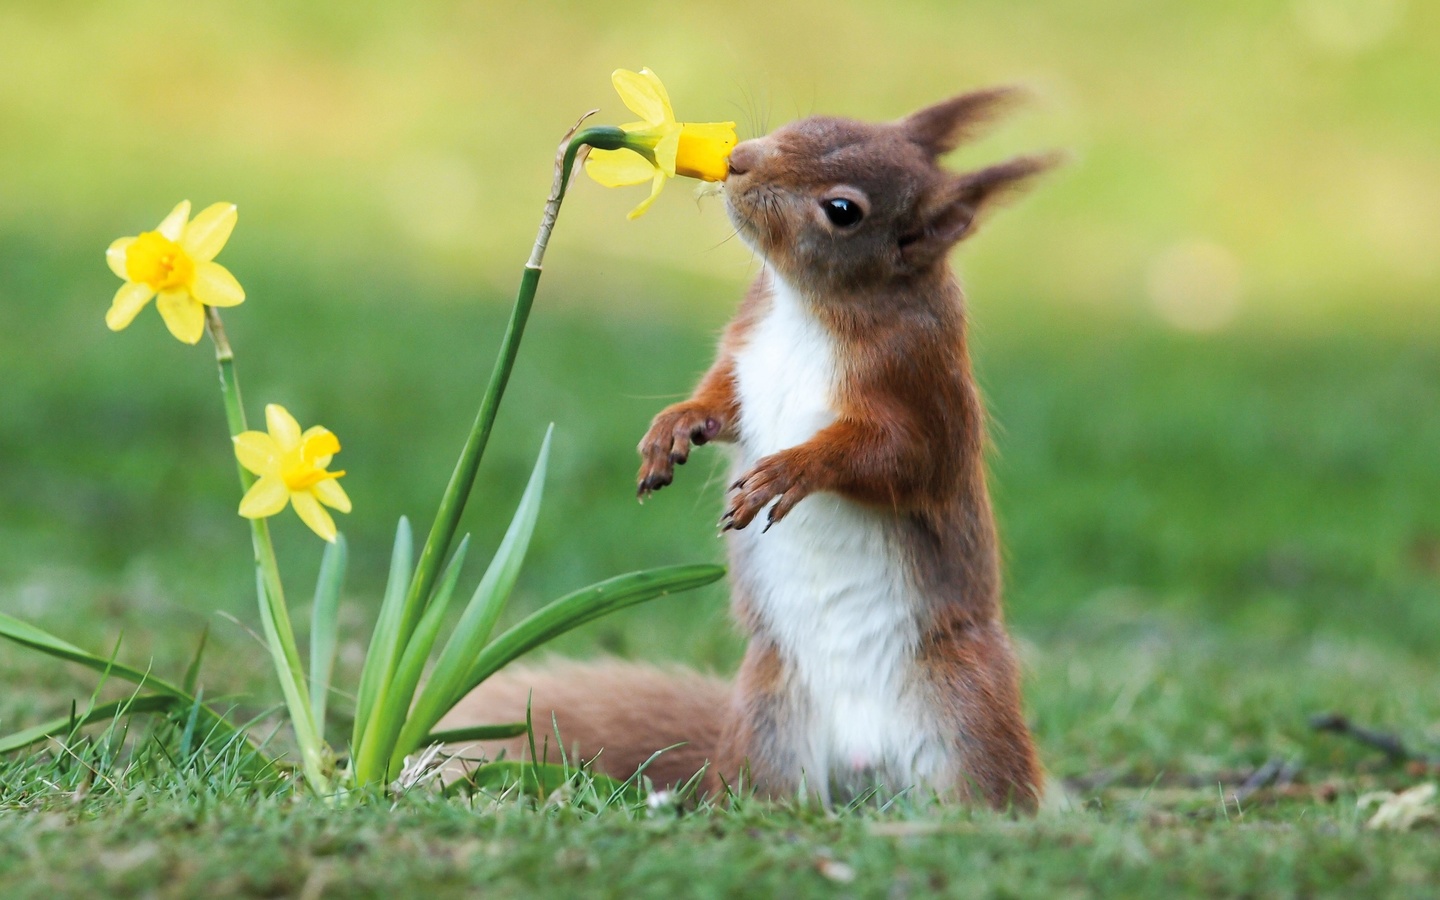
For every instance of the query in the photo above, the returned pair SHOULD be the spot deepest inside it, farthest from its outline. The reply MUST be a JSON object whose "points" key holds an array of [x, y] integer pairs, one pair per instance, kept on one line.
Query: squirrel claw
{"points": [[774, 482], [668, 443]]}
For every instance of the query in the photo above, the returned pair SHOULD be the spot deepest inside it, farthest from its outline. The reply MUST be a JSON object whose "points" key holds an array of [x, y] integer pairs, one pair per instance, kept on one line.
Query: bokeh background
{"points": [[1211, 344]]}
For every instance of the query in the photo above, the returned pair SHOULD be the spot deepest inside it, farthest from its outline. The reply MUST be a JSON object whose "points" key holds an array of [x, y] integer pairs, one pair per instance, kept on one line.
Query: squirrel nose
{"points": [[744, 157]]}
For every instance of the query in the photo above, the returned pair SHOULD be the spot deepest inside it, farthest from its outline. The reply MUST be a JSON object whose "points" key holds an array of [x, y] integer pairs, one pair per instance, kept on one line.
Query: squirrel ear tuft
{"points": [[941, 128], [953, 213]]}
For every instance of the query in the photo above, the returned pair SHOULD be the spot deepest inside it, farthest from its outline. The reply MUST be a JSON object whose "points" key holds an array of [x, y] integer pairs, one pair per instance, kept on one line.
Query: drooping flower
{"points": [[290, 469], [176, 261], [659, 148]]}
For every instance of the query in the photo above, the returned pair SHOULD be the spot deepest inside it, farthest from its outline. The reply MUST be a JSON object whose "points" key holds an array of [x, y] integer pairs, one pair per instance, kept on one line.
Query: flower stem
{"points": [[452, 504], [274, 616]]}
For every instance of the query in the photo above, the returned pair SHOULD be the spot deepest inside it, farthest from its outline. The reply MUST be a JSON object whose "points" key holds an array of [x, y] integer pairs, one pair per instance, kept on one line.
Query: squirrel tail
{"points": [[613, 714]]}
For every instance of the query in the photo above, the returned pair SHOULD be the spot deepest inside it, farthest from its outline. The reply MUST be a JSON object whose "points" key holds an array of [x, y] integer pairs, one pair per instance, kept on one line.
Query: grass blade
{"points": [[478, 619], [324, 622], [539, 779], [379, 659], [192, 672], [187, 734], [575, 609]]}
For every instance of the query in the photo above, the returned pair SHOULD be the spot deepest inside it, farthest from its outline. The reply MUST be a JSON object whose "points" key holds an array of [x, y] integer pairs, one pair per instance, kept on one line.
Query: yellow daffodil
{"points": [[176, 261], [659, 148], [290, 466]]}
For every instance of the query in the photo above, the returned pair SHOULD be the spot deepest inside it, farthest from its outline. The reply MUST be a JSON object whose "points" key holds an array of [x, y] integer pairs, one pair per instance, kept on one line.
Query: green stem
{"points": [[377, 743], [274, 616], [452, 504]]}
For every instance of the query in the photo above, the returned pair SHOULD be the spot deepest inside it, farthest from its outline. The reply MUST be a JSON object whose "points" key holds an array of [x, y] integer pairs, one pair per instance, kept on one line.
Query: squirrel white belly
{"points": [[829, 586], [870, 592]]}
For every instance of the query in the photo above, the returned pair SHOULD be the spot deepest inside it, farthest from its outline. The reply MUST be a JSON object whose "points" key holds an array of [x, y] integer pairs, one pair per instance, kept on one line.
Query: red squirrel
{"points": [[864, 559]]}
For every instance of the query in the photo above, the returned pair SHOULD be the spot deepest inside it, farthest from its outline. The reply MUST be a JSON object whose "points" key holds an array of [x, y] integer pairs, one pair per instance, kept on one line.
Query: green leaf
{"points": [[187, 734], [147, 703], [192, 672], [280, 640], [476, 733], [385, 723], [28, 635], [324, 622], [462, 479], [575, 609], [478, 619], [379, 659]]}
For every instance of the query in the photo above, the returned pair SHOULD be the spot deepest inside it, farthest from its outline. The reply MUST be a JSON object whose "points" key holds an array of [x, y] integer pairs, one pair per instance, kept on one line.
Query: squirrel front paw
{"points": [[777, 477], [667, 443]]}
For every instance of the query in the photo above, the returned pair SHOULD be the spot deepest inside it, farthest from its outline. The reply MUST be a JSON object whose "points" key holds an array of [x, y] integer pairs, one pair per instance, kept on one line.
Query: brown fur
{"points": [[908, 438], [591, 703]]}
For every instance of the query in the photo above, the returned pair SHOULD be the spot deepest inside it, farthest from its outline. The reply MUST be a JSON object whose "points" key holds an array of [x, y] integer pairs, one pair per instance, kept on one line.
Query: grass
{"points": [[420, 846], [1210, 537], [1209, 540]]}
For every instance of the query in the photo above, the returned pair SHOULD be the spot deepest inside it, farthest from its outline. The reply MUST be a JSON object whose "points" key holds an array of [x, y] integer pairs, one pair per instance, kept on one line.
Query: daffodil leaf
{"points": [[576, 609], [476, 733], [385, 723], [379, 659], [28, 635], [65, 725], [479, 617], [324, 622]]}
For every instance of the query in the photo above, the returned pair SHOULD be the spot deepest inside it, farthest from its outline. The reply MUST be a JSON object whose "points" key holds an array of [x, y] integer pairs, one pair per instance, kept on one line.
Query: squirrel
{"points": [[870, 592]]}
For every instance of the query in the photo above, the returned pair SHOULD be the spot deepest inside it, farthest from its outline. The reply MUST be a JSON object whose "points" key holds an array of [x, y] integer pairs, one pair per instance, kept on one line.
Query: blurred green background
{"points": [[1211, 344]]}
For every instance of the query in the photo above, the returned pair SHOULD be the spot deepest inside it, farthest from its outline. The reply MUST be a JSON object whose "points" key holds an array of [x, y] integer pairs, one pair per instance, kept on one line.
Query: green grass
{"points": [[1208, 541], [1209, 537]]}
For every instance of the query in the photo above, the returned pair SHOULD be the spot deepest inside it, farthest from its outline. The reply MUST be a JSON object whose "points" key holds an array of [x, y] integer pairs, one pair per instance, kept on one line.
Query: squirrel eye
{"points": [[842, 213]]}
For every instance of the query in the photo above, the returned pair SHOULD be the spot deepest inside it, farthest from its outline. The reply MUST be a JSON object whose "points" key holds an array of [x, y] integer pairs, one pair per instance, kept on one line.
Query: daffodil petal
{"points": [[655, 188], [313, 514], [283, 427], [207, 232], [173, 225], [666, 150], [266, 497], [215, 286], [330, 493], [183, 315], [660, 91], [643, 94], [618, 168], [129, 300], [258, 452], [115, 256]]}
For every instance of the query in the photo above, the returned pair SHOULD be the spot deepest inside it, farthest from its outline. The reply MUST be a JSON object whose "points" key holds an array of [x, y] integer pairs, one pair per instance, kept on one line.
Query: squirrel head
{"points": [[838, 205]]}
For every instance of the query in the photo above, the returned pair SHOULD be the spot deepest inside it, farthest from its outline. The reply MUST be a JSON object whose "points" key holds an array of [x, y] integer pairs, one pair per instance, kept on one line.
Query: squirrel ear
{"points": [[956, 209], [940, 128]]}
